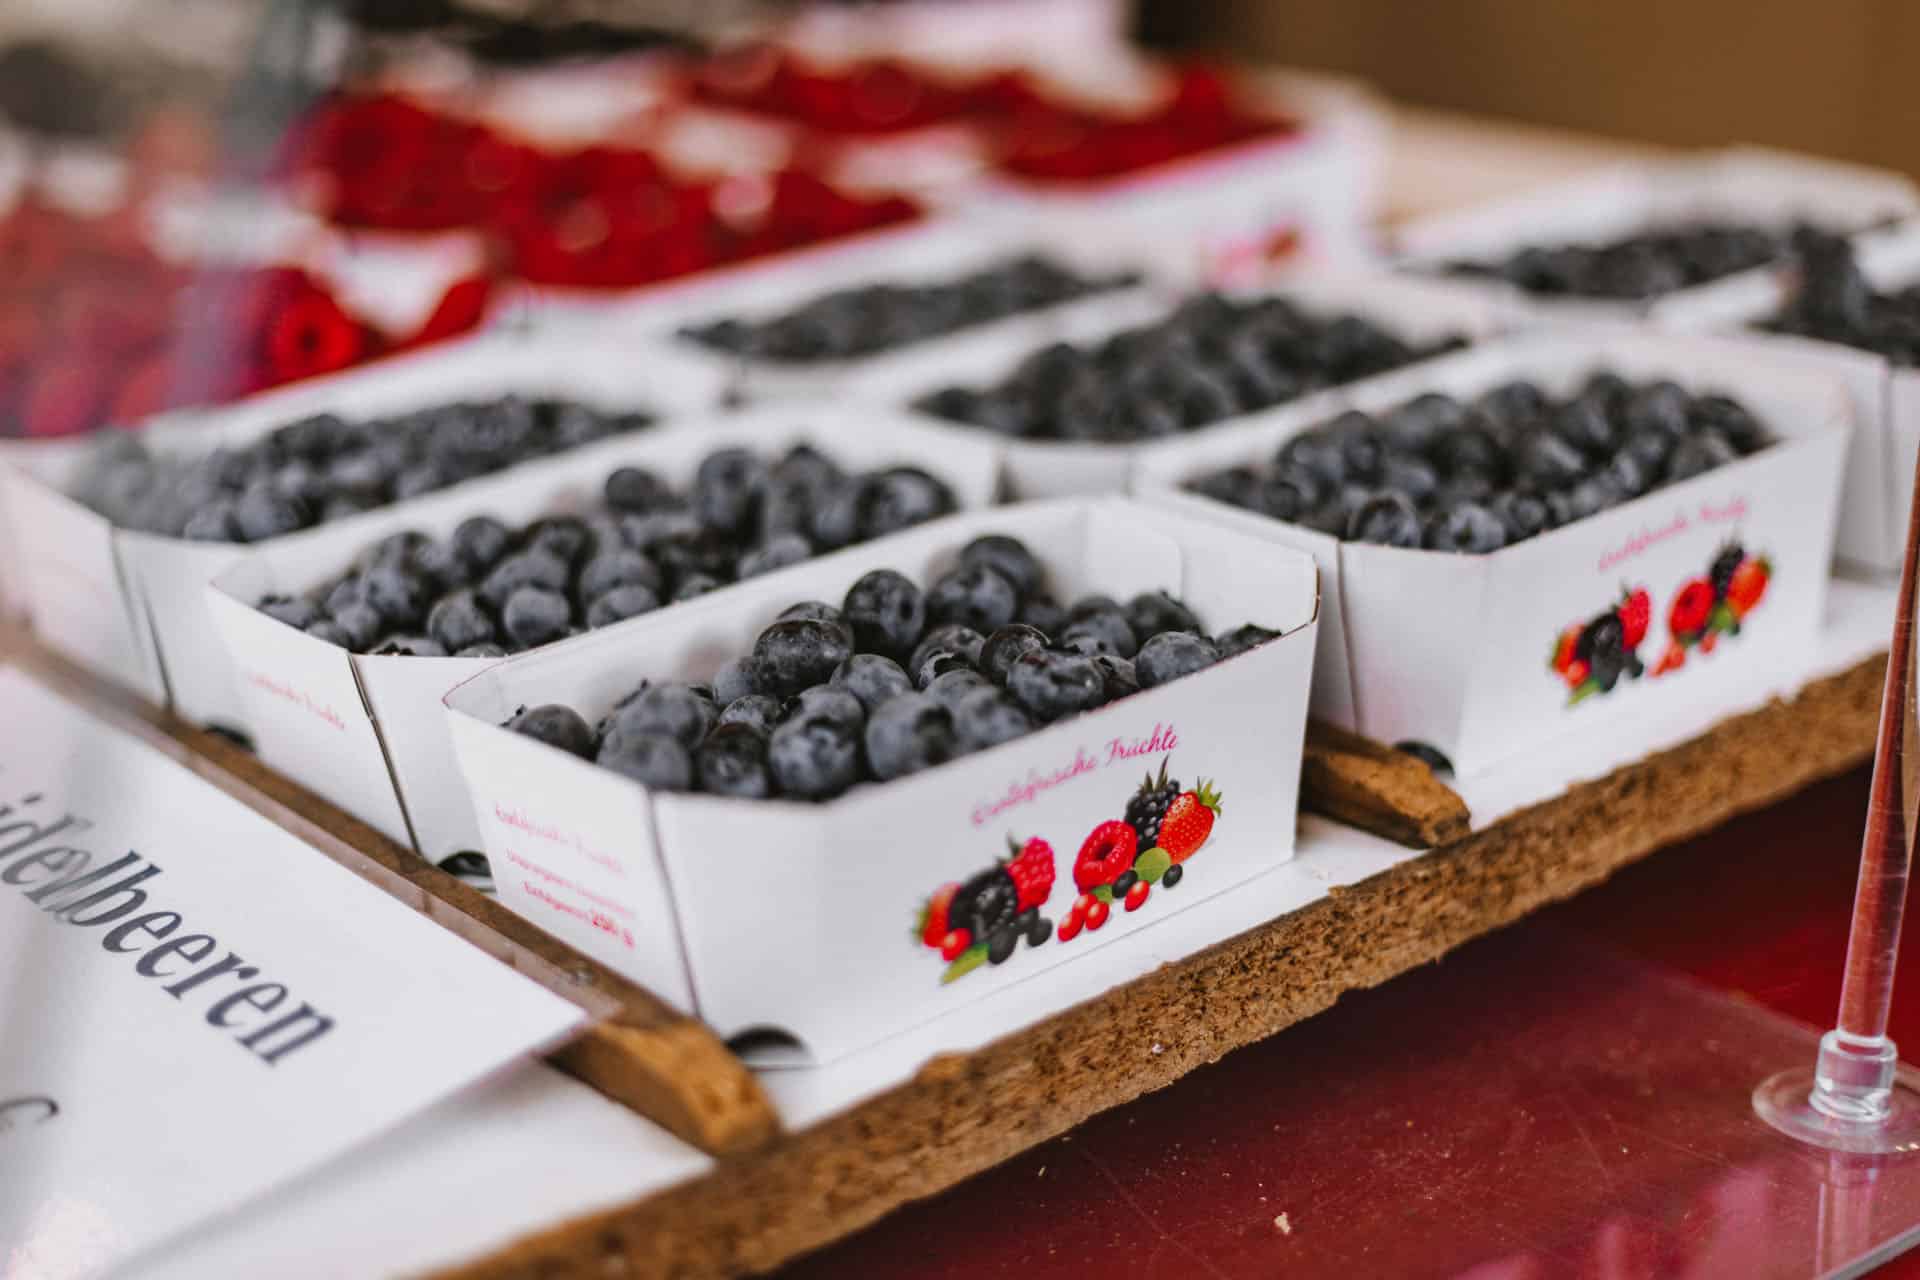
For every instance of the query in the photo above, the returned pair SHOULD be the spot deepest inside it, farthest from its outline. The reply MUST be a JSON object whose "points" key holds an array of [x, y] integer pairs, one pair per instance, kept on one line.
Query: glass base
{"points": [[1786, 1101]]}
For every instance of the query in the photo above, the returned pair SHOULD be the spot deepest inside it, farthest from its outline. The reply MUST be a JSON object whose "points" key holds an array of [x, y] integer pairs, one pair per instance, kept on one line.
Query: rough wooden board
{"points": [[755, 1211], [639, 1051], [1371, 786]]}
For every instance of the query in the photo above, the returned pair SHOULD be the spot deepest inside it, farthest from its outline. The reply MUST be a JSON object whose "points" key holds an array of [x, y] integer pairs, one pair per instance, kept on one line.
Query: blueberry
{"points": [[1041, 612], [871, 678], [887, 613], [621, 603], [796, 654], [974, 596], [263, 512], [1626, 474], [534, 616], [398, 595], [360, 623], [1119, 676], [296, 611], [637, 490], [726, 489], [1172, 655], [828, 703], [533, 567], [733, 762], [644, 532], [695, 585], [1052, 683], [1584, 424], [655, 761], [1237, 641], [665, 710], [403, 646], [898, 498], [952, 637], [1152, 612], [617, 567], [814, 756], [1524, 514], [1661, 406], [212, 523], [458, 622], [1103, 631], [1007, 557], [1004, 647], [488, 650], [776, 553], [734, 681], [331, 632], [557, 726], [1468, 528], [949, 687], [566, 537], [1699, 455], [986, 717], [755, 709], [1386, 519], [908, 733], [814, 610]]}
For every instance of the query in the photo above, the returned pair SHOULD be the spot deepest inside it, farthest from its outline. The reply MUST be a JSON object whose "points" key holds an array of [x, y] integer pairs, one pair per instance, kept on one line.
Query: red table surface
{"points": [[1756, 911]]}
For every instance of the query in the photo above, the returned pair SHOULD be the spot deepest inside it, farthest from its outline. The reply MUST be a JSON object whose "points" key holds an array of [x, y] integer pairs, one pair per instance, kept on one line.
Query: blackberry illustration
{"points": [[985, 904], [1720, 575], [1602, 645], [1149, 806]]}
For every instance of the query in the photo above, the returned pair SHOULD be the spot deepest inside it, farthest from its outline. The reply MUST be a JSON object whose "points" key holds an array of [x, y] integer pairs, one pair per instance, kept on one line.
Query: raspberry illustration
{"points": [[1635, 612], [1031, 869], [1748, 584], [1691, 610], [1148, 807], [1107, 852], [933, 926], [1137, 896], [1189, 822]]}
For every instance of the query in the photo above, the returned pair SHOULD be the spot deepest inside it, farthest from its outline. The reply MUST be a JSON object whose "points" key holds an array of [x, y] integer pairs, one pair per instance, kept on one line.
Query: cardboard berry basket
{"points": [[1412, 309], [1461, 652], [367, 731], [1744, 184], [807, 919], [133, 607], [1885, 396], [1305, 195], [945, 249]]}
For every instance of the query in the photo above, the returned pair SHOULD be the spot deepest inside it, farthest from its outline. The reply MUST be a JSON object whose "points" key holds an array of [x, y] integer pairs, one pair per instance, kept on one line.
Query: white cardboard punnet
{"points": [[367, 731], [165, 632], [1415, 310], [1748, 184], [797, 917], [1454, 651], [1885, 397]]}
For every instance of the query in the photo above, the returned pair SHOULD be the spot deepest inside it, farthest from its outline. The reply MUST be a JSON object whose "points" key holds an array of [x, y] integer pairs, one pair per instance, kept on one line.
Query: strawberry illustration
{"points": [[1577, 672], [1031, 868], [1748, 585], [1635, 611], [1691, 610], [1673, 659], [1189, 822], [1563, 649], [932, 927], [1708, 641], [1108, 851]]}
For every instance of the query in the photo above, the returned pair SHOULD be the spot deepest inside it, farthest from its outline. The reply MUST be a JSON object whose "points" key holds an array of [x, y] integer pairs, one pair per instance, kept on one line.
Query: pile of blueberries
{"points": [[325, 468], [1477, 475], [1215, 357], [880, 317], [1834, 303], [893, 680], [490, 589], [1649, 263]]}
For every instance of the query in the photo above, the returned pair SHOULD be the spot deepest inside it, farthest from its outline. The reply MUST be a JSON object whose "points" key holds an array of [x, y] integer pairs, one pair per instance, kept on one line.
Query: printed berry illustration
{"points": [[1705, 609], [1121, 864], [983, 919], [1592, 657]]}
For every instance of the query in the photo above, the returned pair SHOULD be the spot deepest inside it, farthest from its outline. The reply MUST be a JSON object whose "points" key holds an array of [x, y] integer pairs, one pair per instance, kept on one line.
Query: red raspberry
{"points": [[311, 335], [1032, 870], [1107, 852]]}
